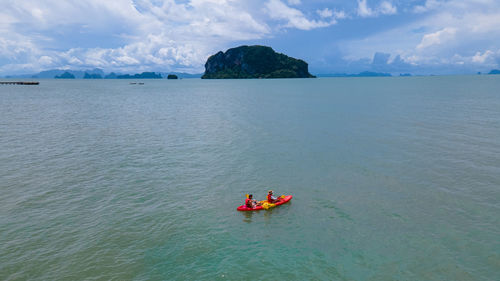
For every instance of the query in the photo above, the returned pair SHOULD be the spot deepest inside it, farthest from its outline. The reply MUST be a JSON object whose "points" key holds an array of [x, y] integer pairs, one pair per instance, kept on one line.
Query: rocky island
{"points": [[144, 75], [92, 76], [65, 75], [254, 62]]}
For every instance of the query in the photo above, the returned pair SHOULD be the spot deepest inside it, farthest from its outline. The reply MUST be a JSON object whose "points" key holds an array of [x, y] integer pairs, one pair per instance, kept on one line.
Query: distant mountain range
{"points": [[380, 74], [100, 74], [361, 74]]}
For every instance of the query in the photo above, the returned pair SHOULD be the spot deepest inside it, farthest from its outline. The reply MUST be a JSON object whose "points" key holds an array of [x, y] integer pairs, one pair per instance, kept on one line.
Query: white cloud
{"points": [[138, 34], [16, 47], [159, 35], [481, 58], [339, 14], [294, 18], [488, 57], [363, 9], [385, 8], [438, 37], [45, 61], [325, 13], [457, 36], [428, 6], [164, 35]]}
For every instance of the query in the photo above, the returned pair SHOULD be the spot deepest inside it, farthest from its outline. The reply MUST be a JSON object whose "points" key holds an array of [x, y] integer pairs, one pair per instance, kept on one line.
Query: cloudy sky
{"points": [[333, 36]]}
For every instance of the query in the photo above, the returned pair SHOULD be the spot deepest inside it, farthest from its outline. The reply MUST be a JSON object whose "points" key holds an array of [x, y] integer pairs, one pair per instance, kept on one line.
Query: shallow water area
{"points": [[393, 179]]}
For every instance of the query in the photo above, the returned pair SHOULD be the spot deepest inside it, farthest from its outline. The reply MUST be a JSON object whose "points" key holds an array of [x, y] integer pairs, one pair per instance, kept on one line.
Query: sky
{"points": [[335, 36]]}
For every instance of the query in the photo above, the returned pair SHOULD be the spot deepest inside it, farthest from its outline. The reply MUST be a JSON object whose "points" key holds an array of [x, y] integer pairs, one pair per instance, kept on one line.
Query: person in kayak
{"points": [[271, 198], [250, 203]]}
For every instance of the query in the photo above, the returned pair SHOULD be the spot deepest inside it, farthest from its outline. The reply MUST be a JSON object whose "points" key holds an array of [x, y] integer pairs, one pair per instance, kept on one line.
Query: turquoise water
{"points": [[393, 179]]}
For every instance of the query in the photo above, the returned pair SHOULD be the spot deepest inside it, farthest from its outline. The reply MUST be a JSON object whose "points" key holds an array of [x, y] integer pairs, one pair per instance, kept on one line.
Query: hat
{"points": [[270, 191]]}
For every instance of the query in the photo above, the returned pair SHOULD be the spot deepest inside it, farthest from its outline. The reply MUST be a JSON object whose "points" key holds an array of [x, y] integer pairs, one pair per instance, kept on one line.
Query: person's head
{"points": [[270, 192], [250, 196]]}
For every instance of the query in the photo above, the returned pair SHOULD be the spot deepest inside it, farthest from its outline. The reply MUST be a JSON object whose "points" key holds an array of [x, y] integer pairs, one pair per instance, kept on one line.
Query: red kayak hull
{"points": [[282, 201]]}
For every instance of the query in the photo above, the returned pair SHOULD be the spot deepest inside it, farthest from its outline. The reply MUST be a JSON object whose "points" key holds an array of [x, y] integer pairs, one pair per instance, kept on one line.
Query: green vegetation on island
{"points": [[112, 75], [92, 76], [172, 76], [65, 75], [144, 75], [254, 62], [494, 71]]}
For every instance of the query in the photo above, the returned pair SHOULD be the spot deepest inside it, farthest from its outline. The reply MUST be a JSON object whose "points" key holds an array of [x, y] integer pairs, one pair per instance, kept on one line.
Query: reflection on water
{"points": [[247, 216]]}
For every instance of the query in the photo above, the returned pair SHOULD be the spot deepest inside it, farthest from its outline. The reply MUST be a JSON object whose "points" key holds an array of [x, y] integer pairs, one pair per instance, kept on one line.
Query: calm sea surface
{"points": [[392, 178]]}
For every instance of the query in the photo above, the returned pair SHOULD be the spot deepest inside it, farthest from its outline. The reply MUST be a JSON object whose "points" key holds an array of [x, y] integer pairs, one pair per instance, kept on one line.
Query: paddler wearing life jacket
{"points": [[250, 203], [271, 198]]}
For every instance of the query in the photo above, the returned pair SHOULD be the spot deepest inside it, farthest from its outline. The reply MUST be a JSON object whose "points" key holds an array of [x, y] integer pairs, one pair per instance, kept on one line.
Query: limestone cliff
{"points": [[254, 62]]}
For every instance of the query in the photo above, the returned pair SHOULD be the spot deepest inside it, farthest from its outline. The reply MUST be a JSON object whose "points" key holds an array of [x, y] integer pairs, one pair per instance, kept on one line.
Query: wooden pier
{"points": [[18, 83]]}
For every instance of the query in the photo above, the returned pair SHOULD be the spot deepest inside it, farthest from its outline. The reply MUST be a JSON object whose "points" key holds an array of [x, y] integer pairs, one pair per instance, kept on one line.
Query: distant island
{"points": [[92, 76], [254, 62], [97, 73], [65, 75], [144, 75], [362, 74], [112, 75], [240, 69]]}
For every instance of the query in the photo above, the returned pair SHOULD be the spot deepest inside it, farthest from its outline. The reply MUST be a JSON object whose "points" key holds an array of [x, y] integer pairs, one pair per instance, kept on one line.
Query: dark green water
{"points": [[393, 179]]}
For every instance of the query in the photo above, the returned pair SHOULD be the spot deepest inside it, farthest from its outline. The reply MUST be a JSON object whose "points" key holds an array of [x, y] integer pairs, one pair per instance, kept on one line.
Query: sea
{"points": [[393, 178]]}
